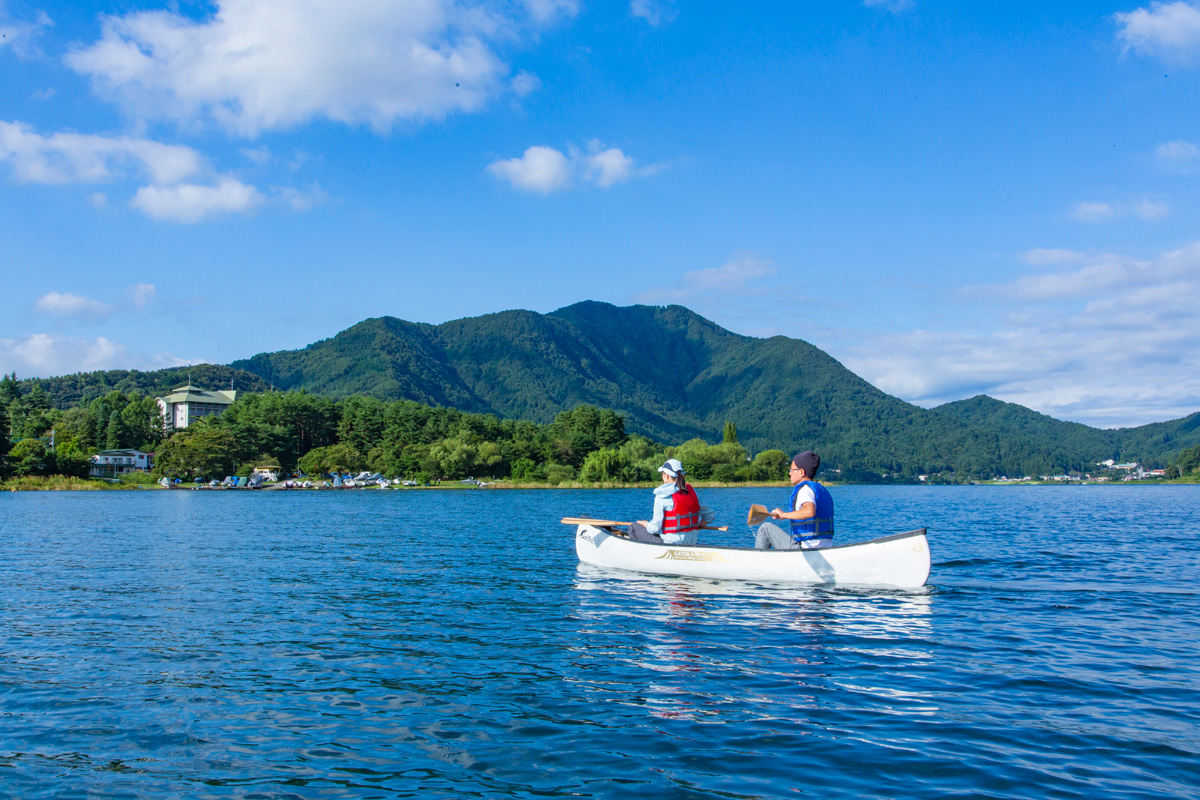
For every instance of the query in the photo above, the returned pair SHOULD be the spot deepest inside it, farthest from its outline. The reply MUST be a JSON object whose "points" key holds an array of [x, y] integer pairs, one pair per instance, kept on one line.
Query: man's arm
{"points": [[806, 511]]}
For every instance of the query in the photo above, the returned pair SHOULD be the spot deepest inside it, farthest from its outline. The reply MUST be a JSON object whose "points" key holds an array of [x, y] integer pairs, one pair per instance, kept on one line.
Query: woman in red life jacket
{"points": [[677, 510]]}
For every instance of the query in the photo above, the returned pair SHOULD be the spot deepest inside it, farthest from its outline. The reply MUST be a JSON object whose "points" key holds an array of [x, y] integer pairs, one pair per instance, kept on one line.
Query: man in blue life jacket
{"points": [[810, 512]]}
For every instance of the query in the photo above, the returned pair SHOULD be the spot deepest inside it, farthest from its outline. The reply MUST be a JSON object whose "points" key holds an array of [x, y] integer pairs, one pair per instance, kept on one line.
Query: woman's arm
{"points": [[661, 504]]}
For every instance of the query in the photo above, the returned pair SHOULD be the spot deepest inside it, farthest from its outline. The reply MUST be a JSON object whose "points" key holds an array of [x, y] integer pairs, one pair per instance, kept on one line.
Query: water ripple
{"points": [[337, 645]]}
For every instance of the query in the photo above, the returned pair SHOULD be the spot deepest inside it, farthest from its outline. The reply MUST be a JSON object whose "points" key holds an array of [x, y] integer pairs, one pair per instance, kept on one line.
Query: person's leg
{"points": [[638, 533], [772, 537]]}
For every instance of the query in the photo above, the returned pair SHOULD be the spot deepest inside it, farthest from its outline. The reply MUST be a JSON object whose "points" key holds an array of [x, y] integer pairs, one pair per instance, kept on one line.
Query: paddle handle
{"points": [[608, 523]]}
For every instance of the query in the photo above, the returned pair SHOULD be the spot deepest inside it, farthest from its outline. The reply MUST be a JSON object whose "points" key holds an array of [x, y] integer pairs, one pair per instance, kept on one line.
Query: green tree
{"points": [[202, 450], [113, 437], [729, 435], [770, 465], [339, 458], [70, 459], [5, 442], [30, 457], [1188, 461]]}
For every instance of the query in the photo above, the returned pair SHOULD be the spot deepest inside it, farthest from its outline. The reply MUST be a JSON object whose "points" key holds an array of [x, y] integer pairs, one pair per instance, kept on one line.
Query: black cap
{"points": [[808, 461]]}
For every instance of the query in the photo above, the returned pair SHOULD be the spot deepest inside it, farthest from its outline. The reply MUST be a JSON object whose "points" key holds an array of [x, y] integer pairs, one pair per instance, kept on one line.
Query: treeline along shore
{"points": [[314, 435]]}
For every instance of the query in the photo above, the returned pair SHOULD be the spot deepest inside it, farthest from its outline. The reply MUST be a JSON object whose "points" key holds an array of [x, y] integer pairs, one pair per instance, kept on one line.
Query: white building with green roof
{"points": [[187, 404]]}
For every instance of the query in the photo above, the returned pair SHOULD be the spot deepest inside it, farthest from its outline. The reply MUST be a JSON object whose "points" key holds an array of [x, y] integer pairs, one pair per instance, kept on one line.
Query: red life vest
{"points": [[685, 516]]}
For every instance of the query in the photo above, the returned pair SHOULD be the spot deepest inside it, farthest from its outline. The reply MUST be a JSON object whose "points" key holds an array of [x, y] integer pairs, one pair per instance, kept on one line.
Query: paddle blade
{"points": [[757, 514]]}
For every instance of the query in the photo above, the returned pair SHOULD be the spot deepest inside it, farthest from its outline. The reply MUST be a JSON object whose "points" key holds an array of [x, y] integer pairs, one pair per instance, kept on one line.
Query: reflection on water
{"points": [[800, 632]]}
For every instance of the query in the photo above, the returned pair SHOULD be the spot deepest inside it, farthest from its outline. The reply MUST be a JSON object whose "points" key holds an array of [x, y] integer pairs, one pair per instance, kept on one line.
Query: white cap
{"points": [[672, 467]]}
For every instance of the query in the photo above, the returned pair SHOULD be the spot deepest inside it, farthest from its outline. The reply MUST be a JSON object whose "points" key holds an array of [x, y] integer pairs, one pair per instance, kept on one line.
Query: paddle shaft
{"points": [[608, 523]]}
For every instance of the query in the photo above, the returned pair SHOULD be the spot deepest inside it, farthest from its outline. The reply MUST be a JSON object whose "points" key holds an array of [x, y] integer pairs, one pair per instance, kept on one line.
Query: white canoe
{"points": [[900, 560]]}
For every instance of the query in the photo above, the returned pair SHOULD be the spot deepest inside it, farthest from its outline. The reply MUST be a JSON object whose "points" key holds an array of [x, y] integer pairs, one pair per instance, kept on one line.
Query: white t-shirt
{"points": [[805, 495]]}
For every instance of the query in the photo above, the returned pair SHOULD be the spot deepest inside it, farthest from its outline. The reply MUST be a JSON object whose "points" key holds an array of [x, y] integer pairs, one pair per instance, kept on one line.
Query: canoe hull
{"points": [[901, 560]]}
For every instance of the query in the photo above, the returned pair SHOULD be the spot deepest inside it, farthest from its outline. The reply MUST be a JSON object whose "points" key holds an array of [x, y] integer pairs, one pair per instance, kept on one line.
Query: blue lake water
{"points": [[379, 644]]}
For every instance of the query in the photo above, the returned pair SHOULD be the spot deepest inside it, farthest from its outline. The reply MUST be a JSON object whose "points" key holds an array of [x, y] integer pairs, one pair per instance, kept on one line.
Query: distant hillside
{"points": [[674, 375], [83, 387]]}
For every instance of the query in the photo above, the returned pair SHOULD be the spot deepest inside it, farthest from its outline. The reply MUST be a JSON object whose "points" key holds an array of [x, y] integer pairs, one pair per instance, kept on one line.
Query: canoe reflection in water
{"points": [[717, 651]]}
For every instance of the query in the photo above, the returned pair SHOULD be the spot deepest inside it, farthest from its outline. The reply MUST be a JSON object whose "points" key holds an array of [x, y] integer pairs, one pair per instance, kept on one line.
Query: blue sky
{"points": [[952, 199]]}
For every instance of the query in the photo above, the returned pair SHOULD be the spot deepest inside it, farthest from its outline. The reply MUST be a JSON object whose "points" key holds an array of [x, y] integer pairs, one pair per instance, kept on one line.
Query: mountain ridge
{"points": [[676, 375]]}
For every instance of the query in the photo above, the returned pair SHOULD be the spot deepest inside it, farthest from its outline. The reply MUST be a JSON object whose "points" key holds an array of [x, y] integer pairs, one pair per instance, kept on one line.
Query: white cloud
{"points": [[655, 12], [1170, 31], [1179, 151], [302, 199], [258, 65], [142, 294], [1145, 208], [43, 355], [1093, 212], [1109, 341], [65, 158], [20, 36], [1044, 257], [68, 304], [257, 155], [544, 169], [740, 276], [541, 169], [1150, 209], [524, 83], [546, 10], [62, 158], [607, 167], [189, 202], [895, 6]]}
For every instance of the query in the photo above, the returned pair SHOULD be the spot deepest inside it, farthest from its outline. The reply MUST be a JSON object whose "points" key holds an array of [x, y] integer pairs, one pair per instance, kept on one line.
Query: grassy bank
{"points": [[58, 483]]}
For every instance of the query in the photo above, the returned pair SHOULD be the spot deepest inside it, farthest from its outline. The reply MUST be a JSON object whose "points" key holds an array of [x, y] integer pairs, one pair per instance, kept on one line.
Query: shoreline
{"points": [[58, 483]]}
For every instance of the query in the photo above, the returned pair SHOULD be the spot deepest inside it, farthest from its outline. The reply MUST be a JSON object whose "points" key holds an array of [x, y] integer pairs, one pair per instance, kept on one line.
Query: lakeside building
{"points": [[187, 404], [108, 463]]}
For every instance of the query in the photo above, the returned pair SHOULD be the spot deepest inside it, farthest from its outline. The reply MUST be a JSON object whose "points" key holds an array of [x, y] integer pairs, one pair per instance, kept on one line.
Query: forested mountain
{"points": [[674, 375], [83, 387]]}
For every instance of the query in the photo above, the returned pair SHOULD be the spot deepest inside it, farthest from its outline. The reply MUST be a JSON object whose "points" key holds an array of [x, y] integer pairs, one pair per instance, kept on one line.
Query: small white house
{"points": [[187, 404], [108, 463]]}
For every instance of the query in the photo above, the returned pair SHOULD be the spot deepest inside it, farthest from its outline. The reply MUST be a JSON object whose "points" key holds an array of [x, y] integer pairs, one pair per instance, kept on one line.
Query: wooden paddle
{"points": [[757, 514], [608, 523]]}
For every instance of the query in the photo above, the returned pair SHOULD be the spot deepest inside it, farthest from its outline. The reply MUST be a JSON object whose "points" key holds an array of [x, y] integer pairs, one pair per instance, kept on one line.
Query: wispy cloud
{"points": [[895, 6], [655, 12], [42, 355], [1108, 211], [741, 276], [21, 37], [1101, 338], [1169, 31], [61, 158], [182, 186], [136, 297], [1178, 151], [544, 170]]}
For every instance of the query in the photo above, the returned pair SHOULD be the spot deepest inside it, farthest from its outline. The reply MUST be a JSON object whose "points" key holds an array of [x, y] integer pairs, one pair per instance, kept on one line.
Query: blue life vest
{"points": [[818, 527]]}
